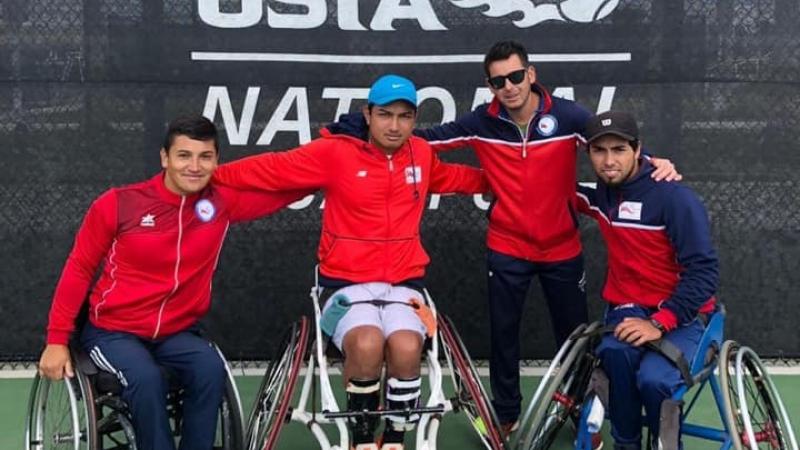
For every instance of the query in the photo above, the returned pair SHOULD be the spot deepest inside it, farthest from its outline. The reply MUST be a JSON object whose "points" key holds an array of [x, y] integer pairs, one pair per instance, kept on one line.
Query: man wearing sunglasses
{"points": [[527, 142]]}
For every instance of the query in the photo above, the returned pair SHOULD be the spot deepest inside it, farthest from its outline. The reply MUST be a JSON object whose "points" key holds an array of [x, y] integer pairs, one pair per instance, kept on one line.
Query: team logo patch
{"points": [[630, 210], [547, 125], [413, 174], [205, 210], [148, 220]]}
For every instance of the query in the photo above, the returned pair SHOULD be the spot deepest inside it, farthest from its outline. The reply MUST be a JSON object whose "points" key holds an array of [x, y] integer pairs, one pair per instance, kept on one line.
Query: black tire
{"points": [[271, 409], [471, 397], [563, 394], [61, 415], [230, 434], [754, 412], [114, 426]]}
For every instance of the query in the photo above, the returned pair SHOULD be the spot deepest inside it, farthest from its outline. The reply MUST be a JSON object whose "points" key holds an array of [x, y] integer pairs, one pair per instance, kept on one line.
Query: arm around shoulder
{"points": [[305, 167]]}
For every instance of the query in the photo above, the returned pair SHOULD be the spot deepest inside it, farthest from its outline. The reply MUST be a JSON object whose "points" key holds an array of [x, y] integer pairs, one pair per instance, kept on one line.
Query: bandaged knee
{"points": [[402, 395], [669, 429], [363, 395]]}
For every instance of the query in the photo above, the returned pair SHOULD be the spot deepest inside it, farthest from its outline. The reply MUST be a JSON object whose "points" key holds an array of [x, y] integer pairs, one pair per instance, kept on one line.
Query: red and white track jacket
{"points": [[373, 202], [159, 251]]}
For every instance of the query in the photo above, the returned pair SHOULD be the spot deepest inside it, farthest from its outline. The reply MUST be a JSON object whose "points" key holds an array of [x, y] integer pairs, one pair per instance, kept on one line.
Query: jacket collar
{"points": [[169, 196], [354, 128], [641, 180], [496, 109]]}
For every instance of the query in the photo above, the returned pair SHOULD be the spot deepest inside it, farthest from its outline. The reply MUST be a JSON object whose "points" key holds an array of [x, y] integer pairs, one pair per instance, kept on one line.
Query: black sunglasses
{"points": [[515, 77]]}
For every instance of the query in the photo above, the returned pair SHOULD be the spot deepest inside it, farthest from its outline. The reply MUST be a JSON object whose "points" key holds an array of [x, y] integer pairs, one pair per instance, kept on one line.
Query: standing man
{"points": [[662, 275], [527, 142], [375, 176], [159, 241]]}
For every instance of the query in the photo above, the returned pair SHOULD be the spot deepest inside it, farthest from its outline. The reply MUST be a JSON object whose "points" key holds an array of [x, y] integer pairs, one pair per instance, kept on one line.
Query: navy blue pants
{"points": [[509, 279], [136, 361], [640, 377]]}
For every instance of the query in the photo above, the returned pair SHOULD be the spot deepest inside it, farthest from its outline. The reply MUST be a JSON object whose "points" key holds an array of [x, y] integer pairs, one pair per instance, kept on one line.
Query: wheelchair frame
{"points": [[714, 358], [470, 395], [107, 420]]}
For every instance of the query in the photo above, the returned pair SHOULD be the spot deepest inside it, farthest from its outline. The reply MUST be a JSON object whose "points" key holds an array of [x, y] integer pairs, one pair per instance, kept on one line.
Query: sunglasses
{"points": [[515, 77]]}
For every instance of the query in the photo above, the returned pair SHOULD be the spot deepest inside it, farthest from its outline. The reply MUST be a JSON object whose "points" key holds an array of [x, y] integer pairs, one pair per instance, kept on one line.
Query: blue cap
{"points": [[390, 88]]}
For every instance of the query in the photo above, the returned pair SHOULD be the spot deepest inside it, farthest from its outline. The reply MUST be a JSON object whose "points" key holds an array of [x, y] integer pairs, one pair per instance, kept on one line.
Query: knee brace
{"points": [[363, 395], [401, 394]]}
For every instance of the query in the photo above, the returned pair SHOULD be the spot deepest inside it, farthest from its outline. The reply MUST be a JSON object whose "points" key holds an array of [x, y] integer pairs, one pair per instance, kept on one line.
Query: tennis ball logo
{"points": [[586, 11], [578, 11]]}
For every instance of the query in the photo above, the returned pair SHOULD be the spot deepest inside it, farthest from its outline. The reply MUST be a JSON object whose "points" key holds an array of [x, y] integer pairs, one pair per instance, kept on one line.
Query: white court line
{"points": [[396, 59], [482, 371]]}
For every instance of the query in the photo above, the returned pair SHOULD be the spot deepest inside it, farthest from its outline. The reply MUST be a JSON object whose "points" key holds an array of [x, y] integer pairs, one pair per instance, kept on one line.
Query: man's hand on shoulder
{"points": [[636, 331], [665, 170], [55, 362]]}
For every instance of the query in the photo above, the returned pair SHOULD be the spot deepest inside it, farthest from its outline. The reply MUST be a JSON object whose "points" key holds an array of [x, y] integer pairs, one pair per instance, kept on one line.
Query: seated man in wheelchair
{"points": [[661, 279], [159, 241], [376, 177]]}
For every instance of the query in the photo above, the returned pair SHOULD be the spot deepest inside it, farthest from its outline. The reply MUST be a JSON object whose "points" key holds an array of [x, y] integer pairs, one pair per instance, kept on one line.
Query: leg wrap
{"points": [[401, 394], [669, 432], [363, 395]]}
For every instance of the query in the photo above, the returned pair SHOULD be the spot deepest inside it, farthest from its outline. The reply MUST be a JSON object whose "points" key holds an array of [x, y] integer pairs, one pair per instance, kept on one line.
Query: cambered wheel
{"points": [[755, 415], [561, 394], [471, 397], [271, 409]]}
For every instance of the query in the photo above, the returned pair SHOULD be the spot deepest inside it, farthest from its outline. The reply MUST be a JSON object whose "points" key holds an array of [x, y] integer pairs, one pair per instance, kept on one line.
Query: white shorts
{"points": [[388, 318]]}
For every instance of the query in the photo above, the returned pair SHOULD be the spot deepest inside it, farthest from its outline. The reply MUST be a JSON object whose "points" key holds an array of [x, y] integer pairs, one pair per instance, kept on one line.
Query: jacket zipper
{"points": [[388, 218], [524, 137], [612, 207], [177, 267], [524, 149]]}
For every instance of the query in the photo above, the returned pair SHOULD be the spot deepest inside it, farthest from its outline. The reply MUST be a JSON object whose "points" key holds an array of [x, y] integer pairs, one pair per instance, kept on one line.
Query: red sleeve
{"points": [[666, 318], [456, 178], [92, 243], [252, 205], [305, 167]]}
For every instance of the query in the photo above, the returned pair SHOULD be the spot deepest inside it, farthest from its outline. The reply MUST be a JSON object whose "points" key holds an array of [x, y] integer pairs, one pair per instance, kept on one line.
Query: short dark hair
{"points": [[503, 50], [194, 127]]}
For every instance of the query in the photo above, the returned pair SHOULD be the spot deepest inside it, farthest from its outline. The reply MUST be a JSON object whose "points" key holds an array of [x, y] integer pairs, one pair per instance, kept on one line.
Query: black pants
{"points": [[509, 278]]}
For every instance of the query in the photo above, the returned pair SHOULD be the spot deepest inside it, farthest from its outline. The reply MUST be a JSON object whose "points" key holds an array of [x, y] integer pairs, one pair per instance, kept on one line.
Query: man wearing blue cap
{"points": [[375, 176]]}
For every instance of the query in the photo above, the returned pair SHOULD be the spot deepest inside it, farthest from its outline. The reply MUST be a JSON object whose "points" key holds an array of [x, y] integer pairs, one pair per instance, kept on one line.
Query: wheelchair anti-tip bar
{"points": [[384, 412]]}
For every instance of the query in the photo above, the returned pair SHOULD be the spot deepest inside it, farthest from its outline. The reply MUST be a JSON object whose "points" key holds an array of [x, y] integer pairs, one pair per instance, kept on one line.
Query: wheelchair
{"points": [[575, 389], [86, 412], [317, 407]]}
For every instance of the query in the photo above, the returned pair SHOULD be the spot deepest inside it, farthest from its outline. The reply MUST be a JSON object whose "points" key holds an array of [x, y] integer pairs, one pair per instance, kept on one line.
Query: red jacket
{"points": [[532, 177], [159, 251], [373, 203]]}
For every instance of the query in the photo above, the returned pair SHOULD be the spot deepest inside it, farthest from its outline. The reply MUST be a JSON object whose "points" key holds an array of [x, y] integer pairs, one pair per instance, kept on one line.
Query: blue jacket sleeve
{"points": [[689, 231], [451, 135]]}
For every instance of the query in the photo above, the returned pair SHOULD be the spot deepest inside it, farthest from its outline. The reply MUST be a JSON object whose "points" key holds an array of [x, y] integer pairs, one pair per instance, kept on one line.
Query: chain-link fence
{"points": [[86, 88]]}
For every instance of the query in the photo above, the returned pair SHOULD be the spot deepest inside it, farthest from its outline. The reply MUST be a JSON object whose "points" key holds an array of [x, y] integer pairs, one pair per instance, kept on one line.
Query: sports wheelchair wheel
{"points": [[58, 416], [271, 409], [230, 432], [470, 394], [754, 413], [560, 394]]}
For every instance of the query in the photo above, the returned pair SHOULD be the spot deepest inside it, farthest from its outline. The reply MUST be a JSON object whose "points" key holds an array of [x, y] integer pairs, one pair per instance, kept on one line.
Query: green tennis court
{"points": [[455, 432]]}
